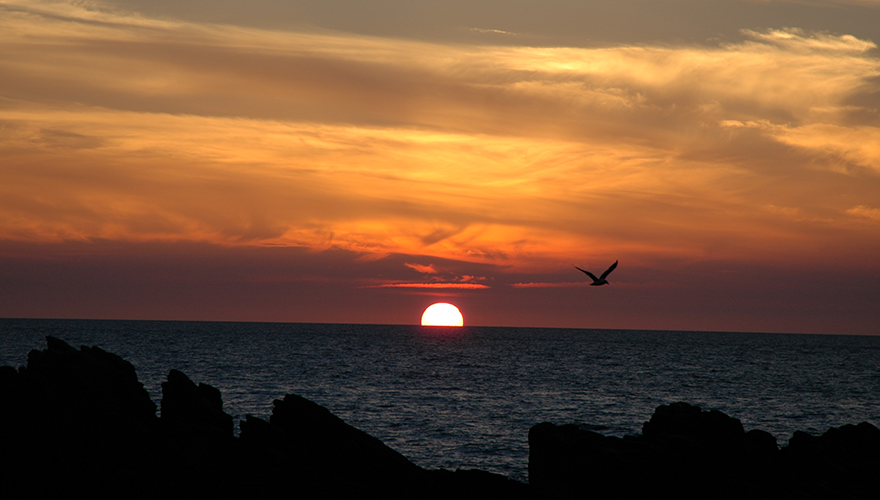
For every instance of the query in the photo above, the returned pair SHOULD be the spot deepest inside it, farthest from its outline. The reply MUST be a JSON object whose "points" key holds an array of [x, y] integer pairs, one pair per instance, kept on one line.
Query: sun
{"points": [[442, 314]]}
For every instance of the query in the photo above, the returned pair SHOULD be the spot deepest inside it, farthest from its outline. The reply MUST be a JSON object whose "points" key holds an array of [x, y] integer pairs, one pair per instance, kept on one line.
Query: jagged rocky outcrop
{"points": [[190, 408], [686, 453], [70, 417], [338, 454], [78, 422]]}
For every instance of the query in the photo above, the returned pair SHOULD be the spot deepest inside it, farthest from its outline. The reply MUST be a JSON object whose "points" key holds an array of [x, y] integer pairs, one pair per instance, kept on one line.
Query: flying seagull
{"points": [[601, 279]]}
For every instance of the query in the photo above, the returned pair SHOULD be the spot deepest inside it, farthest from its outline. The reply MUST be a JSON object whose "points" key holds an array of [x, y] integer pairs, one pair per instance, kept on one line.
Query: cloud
{"points": [[429, 269], [466, 286], [532, 284], [493, 31], [118, 127], [864, 3], [867, 212], [799, 41]]}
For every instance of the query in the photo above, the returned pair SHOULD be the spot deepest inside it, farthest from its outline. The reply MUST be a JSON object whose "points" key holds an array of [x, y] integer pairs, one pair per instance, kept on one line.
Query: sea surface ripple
{"points": [[466, 397]]}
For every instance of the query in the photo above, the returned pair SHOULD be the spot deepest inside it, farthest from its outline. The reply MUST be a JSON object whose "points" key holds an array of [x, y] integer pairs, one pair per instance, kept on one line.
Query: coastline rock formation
{"points": [[79, 421], [686, 453]]}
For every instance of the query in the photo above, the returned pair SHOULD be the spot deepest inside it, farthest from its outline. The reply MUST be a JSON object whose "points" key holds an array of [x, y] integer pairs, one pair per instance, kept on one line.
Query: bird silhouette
{"points": [[601, 279]]}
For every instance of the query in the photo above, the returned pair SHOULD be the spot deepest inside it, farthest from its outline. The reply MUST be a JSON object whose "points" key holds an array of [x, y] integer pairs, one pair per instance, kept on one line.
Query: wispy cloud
{"points": [[429, 269], [532, 284], [867, 212], [866, 3], [118, 127], [466, 286], [492, 31]]}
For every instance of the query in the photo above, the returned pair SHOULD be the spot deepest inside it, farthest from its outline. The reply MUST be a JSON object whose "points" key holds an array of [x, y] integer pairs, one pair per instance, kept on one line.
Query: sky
{"points": [[346, 161]]}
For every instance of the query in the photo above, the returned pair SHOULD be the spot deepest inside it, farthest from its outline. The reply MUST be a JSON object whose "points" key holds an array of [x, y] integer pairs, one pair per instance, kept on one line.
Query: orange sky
{"points": [[163, 165]]}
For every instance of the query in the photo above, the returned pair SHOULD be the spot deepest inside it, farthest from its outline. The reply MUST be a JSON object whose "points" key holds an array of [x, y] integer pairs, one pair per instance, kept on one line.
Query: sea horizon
{"points": [[467, 400], [269, 322]]}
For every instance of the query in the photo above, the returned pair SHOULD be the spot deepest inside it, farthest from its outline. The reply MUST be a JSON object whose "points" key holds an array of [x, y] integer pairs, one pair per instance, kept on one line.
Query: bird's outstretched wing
{"points": [[588, 273], [607, 271]]}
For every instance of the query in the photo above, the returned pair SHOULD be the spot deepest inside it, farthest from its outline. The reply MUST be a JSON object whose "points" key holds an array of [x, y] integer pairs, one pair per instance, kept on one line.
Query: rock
{"points": [[471, 484], [683, 451], [336, 460], [332, 457], [79, 417], [192, 409], [841, 463], [569, 462], [688, 453], [332, 442], [87, 387], [682, 419], [78, 422]]}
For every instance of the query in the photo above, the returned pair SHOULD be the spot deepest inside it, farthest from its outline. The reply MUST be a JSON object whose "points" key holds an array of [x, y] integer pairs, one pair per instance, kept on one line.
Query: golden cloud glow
{"points": [[429, 269], [465, 286], [867, 212], [119, 127], [563, 284]]}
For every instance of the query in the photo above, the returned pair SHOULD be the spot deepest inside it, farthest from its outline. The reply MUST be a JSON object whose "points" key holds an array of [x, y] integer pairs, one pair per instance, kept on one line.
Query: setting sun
{"points": [[438, 157], [442, 314]]}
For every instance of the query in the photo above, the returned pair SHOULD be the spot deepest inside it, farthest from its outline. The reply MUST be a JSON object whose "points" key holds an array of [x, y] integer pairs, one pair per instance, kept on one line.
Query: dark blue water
{"points": [[467, 397]]}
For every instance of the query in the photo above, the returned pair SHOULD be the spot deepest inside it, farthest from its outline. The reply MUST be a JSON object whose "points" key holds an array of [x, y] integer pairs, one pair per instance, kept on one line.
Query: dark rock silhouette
{"points": [[79, 422], [71, 416], [193, 409], [687, 453], [334, 459]]}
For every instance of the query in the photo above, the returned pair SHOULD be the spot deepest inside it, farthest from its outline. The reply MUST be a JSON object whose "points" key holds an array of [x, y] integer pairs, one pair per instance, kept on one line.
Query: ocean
{"points": [[466, 397]]}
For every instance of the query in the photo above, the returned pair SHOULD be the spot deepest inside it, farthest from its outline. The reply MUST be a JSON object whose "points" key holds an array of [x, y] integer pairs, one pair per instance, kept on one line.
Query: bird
{"points": [[601, 279]]}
